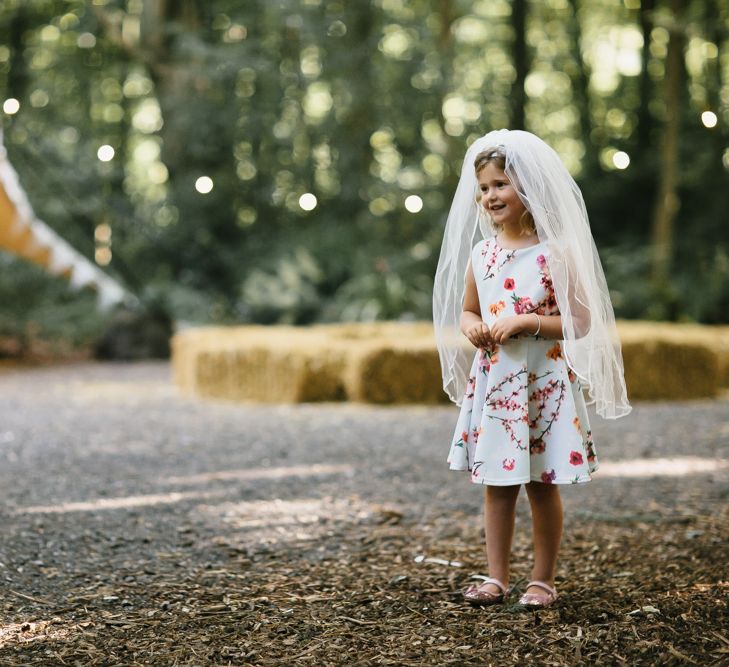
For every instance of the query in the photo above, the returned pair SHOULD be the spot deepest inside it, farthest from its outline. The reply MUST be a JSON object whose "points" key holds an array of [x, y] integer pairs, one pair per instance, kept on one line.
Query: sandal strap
{"points": [[496, 582], [542, 585]]}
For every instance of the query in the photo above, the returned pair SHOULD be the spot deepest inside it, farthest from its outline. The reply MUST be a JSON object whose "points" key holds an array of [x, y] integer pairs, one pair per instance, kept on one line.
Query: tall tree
{"points": [[521, 65], [667, 201], [447, 15], [580, 75], [645, 119]]}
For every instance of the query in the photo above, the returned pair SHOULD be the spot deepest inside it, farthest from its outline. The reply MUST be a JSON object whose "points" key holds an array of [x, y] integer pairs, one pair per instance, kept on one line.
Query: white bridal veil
{"points": [[590, 342]]}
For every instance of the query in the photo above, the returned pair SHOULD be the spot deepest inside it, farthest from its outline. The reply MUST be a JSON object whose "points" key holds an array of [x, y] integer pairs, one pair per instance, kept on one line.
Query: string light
{"points": [[204, 184], [105, 153], [308, 201], [621, 160], [11, 106], [709, 119], [414, 204]]}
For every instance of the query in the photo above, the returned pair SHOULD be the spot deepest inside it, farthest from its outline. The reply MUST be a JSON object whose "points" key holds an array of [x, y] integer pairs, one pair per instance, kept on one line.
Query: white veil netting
{"points": [[590, 343]]}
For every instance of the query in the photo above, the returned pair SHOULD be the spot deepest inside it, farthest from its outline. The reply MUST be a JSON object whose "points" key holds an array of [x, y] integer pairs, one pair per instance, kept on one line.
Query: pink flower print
{"points": [[464, 436], [508, 464], [571, 375], [549, 477], [484, 364], [522, 304], [509, 284], [575, 458], [541, 261]]}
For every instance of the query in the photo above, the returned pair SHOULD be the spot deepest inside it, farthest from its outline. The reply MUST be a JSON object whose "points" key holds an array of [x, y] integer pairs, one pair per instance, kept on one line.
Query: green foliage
{"points": [[361, 104], [36, 307]]}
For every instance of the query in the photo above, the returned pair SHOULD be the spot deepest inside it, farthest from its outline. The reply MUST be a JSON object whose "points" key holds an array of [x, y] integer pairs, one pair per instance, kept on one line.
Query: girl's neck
{"points": [[512, 238]]}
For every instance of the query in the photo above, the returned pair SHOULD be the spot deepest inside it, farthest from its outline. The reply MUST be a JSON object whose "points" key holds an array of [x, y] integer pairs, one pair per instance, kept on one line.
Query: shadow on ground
{"points": [[140, 528]]}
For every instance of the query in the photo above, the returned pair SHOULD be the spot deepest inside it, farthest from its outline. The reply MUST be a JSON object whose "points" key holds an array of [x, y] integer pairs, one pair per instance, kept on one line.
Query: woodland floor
{"points": [[140, 527]]}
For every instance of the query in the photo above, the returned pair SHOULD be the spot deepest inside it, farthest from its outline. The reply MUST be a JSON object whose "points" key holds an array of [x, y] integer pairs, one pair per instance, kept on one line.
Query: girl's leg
{"points": [[546, 504], [499, 516]]}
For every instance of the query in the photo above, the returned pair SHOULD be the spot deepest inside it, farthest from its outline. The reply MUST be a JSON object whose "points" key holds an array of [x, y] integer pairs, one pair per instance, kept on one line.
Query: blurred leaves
{"points": [[360, 104], [36, 307]]}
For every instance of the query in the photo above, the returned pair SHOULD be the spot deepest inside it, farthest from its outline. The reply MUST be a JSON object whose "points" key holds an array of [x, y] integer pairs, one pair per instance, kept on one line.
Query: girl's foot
{"points": [[538, 594], [490, 591]]}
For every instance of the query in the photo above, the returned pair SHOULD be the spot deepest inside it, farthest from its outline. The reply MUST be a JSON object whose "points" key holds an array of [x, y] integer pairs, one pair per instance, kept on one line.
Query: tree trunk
{"points": [[358, 123], [645, 121], [581, 93], [18, 77], [667, 202], [518, 95], [714, 84], [454, 150]]}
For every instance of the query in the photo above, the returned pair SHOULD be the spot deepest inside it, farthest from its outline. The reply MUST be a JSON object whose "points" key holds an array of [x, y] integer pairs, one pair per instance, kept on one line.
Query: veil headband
{"points": [[590, 343]]}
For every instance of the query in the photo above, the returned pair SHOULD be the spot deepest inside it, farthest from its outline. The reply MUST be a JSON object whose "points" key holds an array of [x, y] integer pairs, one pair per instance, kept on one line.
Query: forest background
{"points": [[293, 162]]}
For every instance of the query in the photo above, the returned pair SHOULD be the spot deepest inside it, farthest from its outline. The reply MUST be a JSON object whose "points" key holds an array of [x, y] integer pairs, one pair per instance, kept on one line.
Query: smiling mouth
{"points": [[496, 209]]}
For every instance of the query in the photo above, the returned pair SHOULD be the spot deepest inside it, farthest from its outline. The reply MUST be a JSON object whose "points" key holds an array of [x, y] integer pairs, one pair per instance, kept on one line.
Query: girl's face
{"points": [[499, 197]]}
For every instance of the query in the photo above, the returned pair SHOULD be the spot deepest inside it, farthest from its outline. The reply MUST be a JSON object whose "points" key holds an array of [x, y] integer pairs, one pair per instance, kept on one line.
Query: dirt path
{"points": [[142, 528]]}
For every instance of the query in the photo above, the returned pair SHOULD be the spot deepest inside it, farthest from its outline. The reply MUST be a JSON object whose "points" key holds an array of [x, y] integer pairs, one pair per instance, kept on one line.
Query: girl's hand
{"points": [[506, 327], [479, 335]]}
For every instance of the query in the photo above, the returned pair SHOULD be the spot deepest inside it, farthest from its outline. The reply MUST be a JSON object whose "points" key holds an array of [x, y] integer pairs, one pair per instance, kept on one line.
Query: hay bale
{"points": [[395, 372], [666, 370], [664, 360], [363, 331], [397, 362], [323, 376], [265, 364]]}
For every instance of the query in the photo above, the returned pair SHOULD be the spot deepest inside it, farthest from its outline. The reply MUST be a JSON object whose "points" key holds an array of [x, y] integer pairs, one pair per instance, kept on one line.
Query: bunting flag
{"points": [[24, 235]]}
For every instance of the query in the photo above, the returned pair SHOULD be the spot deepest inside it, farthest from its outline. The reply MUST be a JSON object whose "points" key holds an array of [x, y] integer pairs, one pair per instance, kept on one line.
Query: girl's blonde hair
{"points": [[496, 156]]}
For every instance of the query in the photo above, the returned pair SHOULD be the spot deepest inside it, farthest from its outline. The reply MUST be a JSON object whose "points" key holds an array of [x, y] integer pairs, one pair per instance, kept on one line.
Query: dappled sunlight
{"points": [[128, 502], [122, 502], [263, 473], [282, 513], [666, 467], [268, 522], [25, 633]]}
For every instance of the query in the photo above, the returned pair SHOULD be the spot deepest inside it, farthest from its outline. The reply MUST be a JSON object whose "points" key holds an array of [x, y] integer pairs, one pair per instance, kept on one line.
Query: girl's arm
{"points": [[472, 325], [505, 327]]}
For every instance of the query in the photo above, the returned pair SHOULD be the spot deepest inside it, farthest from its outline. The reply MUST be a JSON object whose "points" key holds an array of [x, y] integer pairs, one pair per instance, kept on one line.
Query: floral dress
{"points": [[523, 416]]}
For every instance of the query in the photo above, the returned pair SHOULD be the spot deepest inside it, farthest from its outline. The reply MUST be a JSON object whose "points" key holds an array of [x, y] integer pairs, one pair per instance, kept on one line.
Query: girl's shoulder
{"points": [[484, 244]]}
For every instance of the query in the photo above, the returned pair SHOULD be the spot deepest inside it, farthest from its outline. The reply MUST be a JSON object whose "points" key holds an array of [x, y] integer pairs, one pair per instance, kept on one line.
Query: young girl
{"points": [[532, 297]]}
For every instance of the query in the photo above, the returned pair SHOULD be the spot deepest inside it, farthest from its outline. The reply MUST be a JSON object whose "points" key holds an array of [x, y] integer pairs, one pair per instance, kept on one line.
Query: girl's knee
{"points": [[540, 488]]}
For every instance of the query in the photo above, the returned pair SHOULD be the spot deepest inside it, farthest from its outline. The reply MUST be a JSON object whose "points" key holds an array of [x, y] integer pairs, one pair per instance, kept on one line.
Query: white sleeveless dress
{"points": [[523, 416]]}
